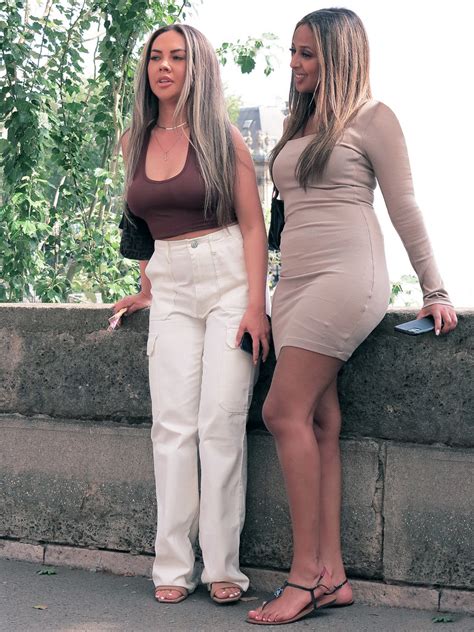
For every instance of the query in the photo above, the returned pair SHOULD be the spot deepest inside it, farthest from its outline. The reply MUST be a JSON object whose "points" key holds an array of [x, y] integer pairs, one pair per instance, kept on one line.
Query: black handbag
{"points": [[277, 221], [136, 241]]}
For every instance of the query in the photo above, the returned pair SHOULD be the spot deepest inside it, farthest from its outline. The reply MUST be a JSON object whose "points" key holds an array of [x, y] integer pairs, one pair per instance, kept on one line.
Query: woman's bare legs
{"points": [[301, 378], [327, 426]]}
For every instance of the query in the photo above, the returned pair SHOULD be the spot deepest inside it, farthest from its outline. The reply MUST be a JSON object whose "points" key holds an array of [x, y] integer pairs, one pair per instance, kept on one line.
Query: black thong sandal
{"points": [[311, 607]]}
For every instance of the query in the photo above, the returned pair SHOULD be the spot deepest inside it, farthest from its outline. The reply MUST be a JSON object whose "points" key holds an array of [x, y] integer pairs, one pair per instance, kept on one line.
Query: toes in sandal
{"points": [[183, 594], [215, 586], [311, 607], [334, 604]]}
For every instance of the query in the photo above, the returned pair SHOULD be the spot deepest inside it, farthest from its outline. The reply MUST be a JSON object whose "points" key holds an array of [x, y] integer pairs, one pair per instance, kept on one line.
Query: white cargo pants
{"points": [[201, 386]]}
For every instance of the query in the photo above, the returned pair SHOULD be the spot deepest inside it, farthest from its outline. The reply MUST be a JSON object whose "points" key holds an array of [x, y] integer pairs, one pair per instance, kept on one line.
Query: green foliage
{"points": [[234, 103], [443, 619], [65, 94], [396, 290], [46, 571], [405, 292], [245, 53]]}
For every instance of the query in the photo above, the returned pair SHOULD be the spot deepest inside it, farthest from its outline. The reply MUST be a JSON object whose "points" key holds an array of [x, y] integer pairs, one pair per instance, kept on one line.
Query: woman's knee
{"points": [[272, 416], [281, 420]]}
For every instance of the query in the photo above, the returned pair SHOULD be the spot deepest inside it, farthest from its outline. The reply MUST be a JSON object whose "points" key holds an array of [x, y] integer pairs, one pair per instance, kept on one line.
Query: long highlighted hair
{"points": [[202, 105], [342, 50]]}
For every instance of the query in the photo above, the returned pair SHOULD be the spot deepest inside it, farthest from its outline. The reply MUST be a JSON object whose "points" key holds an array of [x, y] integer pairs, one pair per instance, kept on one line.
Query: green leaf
{"points": [[46, 571], [246, 62], [443, 619]]}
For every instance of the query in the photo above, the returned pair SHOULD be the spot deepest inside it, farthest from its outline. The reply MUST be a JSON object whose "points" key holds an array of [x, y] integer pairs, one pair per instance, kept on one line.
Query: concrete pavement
{"points": [[83, 601]]}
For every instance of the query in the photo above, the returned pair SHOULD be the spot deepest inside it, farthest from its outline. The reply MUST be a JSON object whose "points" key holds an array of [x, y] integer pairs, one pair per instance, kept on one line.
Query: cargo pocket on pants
{"points": [[235, 376]]}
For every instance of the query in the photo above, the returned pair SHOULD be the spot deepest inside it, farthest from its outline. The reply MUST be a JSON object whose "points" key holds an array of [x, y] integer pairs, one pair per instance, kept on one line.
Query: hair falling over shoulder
{"points": [[342, 50], [203, 105]]}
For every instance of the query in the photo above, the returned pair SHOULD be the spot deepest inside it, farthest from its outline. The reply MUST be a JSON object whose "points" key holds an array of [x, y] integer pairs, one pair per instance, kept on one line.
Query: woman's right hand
{"points": [[133, 303]]}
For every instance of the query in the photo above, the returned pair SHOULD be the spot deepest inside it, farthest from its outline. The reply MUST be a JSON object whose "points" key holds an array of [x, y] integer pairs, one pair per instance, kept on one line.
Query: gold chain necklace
{"points": [[166, 152], [171, 128]]}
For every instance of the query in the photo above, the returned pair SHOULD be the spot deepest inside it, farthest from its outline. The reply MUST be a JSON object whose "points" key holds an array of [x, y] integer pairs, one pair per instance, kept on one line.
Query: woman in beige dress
{"points": [[334, 287]]}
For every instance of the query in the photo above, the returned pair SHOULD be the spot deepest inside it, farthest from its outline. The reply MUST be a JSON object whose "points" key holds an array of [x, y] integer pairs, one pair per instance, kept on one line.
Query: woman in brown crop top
{"points": [[334, 287], [193, 201]]}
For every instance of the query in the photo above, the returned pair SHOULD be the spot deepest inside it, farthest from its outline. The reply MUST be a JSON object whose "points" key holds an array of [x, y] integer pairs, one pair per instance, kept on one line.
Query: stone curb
{"points": [[22, 551], [366, 592], [96, 560]]}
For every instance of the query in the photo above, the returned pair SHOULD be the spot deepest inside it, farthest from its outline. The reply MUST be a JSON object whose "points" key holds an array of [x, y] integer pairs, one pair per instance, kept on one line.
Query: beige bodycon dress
{"points": [[334, 287]]}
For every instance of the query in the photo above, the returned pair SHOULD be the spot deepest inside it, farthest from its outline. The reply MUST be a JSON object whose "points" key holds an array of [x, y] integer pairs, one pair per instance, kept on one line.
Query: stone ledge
{"points": [[366, 592], [13, 550], [96, 560], [456, 601], [61, 361]]}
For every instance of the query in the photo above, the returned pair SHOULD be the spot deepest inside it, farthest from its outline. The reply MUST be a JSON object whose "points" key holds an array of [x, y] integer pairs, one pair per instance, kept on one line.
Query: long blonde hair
{"points": [[202, 105], [342, 50]]}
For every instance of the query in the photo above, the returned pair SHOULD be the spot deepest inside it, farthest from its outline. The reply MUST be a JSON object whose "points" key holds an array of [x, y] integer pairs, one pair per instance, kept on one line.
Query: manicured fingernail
{"points": [[437, 332]]}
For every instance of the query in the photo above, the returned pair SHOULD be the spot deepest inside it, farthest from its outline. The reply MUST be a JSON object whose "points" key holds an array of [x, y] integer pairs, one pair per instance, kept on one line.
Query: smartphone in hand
{"points": [[416, 327], [246, 344]]}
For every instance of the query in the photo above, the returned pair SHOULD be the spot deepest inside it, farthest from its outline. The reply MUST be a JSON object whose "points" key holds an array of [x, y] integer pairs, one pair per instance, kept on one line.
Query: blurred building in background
{"points": [[261, 127]]}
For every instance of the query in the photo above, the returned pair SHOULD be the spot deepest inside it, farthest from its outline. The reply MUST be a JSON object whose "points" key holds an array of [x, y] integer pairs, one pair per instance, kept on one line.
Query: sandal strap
{"points": [[223, 586], [276, 593], [310, 590], [285, 584], [180, 589], [336, 588], [301, 587]]}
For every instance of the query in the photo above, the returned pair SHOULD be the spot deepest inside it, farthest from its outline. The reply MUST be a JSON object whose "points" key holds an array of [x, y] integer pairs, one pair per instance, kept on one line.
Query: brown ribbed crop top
{"points": [[174, 206]]}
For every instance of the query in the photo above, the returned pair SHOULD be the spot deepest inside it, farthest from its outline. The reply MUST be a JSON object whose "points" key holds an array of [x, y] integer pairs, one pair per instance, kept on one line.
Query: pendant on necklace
{"points": [[165, 156]]}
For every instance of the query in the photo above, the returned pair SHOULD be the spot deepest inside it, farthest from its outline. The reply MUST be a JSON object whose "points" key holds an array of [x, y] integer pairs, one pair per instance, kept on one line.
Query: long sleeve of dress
{"points": [[384, 145]]}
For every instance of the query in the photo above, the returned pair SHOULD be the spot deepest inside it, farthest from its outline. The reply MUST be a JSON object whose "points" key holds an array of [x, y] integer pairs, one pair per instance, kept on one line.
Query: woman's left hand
{"points": [[444, 316], [255, 321]]}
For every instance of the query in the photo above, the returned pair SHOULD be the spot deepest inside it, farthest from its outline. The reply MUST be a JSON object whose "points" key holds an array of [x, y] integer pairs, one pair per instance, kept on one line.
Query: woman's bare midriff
{"points": [[196, 233]]}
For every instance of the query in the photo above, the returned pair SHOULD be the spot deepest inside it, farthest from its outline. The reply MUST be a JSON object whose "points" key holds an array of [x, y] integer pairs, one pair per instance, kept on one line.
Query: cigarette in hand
{"points": [[115, 320]]}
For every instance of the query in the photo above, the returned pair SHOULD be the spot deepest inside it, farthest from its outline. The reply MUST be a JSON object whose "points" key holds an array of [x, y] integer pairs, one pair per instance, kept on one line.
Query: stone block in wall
{"points": [[411, 388], [267, 539], [61, 362], [81, 484], [429, 516]]}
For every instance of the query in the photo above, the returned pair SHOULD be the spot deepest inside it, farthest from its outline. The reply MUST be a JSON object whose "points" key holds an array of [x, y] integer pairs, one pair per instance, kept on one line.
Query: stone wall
{"points": [[75, 454]]}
